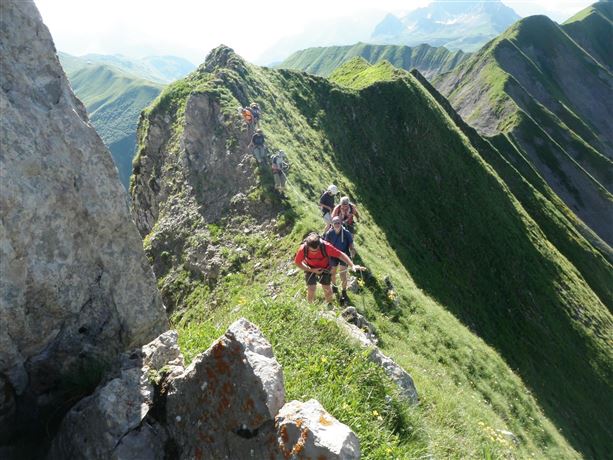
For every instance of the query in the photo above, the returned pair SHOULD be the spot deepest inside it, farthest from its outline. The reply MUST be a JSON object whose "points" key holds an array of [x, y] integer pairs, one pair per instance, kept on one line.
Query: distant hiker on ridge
{"points": [[257, 112], [347, 212], [326, 203], [247, 116], [279, 167], [341, 239], [313, 257], [257, 143]]}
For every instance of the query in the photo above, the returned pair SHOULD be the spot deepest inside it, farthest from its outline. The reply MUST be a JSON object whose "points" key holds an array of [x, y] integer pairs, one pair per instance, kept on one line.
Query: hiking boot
{"points": [[344, 299], [334, 289]]}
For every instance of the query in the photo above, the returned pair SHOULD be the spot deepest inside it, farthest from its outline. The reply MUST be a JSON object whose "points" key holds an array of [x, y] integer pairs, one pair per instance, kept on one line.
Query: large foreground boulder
{"points": [[76, 289], [228, 404]]}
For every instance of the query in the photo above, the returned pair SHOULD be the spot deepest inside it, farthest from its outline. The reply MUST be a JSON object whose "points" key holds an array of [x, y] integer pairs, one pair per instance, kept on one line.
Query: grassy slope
{"points": [[449, 233], [591, 29], [114, 101], [539, 200], [512, 86], [427, 59]]}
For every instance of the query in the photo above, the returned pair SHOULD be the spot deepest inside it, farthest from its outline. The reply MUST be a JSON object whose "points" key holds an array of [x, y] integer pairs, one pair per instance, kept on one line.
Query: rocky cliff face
{"points": [[76, 287], [192, 172]]}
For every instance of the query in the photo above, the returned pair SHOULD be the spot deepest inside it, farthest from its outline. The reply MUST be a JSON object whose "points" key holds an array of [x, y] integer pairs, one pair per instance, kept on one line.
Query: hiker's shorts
{"points": [[279, 178], [312, 279], [327, 218], [334, 262]]}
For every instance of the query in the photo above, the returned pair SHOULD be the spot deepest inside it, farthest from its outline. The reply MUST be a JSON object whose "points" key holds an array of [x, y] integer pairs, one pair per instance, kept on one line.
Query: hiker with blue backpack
{"points": [[314, 258], [341, 239]]}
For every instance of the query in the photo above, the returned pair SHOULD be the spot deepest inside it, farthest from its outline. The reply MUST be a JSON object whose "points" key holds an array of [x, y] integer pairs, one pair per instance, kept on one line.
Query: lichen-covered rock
{"points": [[223, 406], [76, 287], [114, 422], [307, 431], [225, 401]]}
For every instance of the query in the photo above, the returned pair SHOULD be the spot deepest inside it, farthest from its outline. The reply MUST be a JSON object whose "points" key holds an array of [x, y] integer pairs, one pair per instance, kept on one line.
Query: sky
{"points": [[191, 28]]}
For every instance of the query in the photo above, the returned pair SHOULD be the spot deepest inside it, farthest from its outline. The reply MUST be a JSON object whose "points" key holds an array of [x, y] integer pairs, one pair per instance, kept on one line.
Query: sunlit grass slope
{"points": [[499, 330], [427, 59]]}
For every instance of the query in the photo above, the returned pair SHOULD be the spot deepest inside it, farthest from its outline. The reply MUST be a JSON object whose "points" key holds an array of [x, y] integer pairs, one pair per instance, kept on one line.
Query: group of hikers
{"points": [[322, 257], [318, 256], [278, 161]]}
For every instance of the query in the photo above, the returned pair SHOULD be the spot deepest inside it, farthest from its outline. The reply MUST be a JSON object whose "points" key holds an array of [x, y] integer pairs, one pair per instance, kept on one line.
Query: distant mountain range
{"points": [[114, 100], [545, 91], [455, 25], [160, 69], [428, 60], [115, 90]]}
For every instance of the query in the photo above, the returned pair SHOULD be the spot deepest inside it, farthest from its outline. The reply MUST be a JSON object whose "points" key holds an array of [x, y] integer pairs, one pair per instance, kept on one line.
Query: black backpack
{"points": [[322, 246]]}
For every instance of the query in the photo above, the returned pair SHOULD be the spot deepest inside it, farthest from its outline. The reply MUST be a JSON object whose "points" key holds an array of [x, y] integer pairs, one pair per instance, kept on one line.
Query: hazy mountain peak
{"points": [[455, 25]]}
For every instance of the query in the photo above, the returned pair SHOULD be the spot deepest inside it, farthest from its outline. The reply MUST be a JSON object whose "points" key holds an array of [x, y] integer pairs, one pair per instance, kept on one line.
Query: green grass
{"points": [[547, 107], [490, 316], [324, 60], [591, 29]]}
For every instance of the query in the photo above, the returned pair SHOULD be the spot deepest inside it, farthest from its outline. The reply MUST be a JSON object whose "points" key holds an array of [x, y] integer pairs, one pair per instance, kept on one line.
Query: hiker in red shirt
{"points": [[313, 257]]}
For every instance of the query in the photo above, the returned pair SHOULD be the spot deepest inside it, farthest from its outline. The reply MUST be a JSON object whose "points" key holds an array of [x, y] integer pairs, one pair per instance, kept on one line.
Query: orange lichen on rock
{"points": [[324, 421], [299, 447]]}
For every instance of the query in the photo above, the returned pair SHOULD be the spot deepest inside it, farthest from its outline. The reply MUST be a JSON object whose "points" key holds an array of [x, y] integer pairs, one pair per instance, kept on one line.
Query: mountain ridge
{"points": [[489, 265], [322, 61], [114, 100], [534, 83], [454, 25]]}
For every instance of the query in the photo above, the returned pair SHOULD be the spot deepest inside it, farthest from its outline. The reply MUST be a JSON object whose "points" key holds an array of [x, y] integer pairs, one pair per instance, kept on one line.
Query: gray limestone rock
{"points": [[306, 430], [228, 404], [76, 288], [224, 403], [365, 338], [351, 315], [114, 422]]}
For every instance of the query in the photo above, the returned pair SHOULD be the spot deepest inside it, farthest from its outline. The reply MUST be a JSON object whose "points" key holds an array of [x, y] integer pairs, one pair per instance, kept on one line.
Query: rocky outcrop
{"points": [[76, 288], [306, 430], [115, 422], [223, 405], [229, 403], [194, 173], [361, 330]]}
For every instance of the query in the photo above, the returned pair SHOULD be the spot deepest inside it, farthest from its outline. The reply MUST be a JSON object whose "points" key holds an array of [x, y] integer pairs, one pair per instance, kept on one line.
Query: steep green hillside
{"points": [[591, 29], [538, 87], [497, 326], [428, 60], [114, 101]]}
